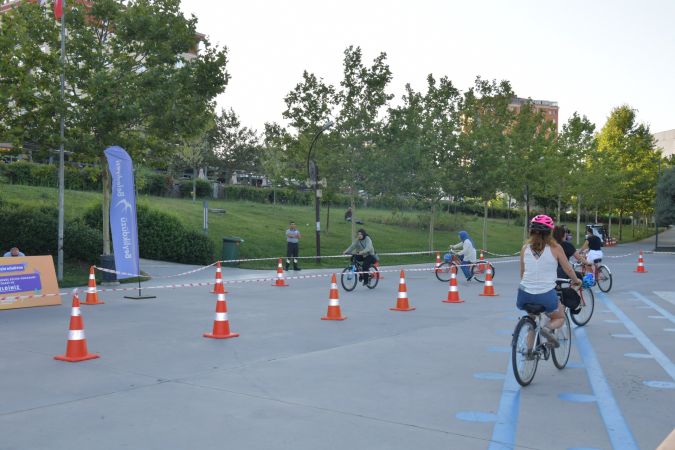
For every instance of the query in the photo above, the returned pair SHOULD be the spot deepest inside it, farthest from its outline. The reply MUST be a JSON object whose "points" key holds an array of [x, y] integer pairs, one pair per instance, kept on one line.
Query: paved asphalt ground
{"points": [[434, 378]]}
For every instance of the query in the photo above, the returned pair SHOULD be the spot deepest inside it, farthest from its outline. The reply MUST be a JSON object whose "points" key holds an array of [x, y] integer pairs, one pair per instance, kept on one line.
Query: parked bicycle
{"points": [[354, 272], [601, 273], [528, 346], [478, 270]]}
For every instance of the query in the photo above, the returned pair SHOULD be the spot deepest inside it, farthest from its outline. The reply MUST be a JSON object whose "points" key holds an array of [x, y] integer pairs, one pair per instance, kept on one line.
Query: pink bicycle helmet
{"points": [[541, 222]]}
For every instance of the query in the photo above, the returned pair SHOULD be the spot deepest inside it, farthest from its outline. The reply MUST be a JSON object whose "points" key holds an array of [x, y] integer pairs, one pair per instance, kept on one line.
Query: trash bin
{"points": [[108, 262], [231, 249]]}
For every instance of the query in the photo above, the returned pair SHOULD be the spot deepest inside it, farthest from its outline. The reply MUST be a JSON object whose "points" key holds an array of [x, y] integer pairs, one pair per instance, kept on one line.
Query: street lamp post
{"points": [[313, 171], [656, 204]]}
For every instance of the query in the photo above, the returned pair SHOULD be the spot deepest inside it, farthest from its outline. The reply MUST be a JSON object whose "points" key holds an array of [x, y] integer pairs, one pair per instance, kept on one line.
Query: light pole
{"points": [[313, 171], [656, 205]]}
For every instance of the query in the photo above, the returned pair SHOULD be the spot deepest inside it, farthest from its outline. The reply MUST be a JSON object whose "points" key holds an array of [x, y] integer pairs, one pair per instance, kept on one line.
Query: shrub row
{"points": [[163, 237], [34, 231]]}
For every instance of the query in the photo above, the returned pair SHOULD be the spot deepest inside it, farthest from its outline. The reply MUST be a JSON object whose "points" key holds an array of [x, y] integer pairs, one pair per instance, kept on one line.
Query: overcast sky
{"points": [[588, 55]]}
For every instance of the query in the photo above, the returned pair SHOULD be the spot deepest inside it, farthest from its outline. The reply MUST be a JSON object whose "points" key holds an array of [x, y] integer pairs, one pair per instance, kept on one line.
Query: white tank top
{"points": [[540, 273]]}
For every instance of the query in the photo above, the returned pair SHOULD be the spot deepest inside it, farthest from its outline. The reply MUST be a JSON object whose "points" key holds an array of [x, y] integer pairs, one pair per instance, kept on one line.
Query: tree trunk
{"points": [[596, 215], [194, 183], [485, 215], [328, 218], [578, 219], [353, 205], [508, 209], [527, 211], [621, 224], [106, 206], [431, 227], [559, 217]]}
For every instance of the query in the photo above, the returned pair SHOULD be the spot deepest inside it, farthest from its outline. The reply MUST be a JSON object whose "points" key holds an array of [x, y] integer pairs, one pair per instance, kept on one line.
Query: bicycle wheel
{"points": [[524, 360], [480, 269], [443, 271], [348, 279], [564, 336], [374, 277], [587, 306], [604, 278]]}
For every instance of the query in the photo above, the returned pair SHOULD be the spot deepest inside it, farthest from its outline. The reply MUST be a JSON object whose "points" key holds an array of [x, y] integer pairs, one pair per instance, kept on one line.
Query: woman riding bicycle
{"points": [[560, 236], [465, 252], [593, 246], [363, 251], [539, 259]]}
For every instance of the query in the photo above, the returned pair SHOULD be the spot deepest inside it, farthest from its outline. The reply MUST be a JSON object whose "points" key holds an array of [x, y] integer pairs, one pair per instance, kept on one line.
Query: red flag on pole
{"points": [[58, 9]]}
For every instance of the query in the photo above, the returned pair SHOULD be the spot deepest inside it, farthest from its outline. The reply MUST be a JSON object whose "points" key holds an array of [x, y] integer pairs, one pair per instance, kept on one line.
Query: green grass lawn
{"points": [[262, 227]]}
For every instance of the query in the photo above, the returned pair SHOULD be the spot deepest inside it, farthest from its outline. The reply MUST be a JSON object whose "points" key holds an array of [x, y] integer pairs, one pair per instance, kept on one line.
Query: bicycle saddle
{"points": [[534, 308], [597, 260]]}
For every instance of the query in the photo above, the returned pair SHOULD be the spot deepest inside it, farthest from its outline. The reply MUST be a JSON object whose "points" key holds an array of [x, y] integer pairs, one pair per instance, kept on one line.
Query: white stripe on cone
{"points": [[75, 335]]}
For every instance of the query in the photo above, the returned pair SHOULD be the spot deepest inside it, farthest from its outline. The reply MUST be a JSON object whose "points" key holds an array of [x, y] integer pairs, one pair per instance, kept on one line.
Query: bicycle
{"points": [[527, 346], [352, 274], [586, 306], [601, 273], [477, 270]]}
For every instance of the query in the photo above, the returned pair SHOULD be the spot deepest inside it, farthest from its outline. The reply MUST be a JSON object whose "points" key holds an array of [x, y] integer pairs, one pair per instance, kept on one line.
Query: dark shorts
{"points": [[548, 299]]}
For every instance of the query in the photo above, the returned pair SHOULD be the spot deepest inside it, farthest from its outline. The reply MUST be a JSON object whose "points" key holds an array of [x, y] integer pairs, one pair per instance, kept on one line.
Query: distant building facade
{"points": [[548, 108], [665, 140]]}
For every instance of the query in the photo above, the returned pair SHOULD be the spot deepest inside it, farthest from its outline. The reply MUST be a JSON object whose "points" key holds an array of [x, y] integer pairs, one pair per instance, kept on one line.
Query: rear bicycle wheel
{"points": [[479, 270], [587, 306], [523, 357], [443, 271], [374, 278], [564, 335], [604, 278], [348, 279]]}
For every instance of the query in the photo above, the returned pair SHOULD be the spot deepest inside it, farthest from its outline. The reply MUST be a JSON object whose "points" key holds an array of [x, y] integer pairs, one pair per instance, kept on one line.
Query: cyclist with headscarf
{"points": [[364, 252], [466, 253], [539, 259]]}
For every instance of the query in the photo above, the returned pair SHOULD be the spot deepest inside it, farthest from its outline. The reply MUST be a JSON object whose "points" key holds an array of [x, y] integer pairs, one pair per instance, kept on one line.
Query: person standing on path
{"points": [[292, 246]]}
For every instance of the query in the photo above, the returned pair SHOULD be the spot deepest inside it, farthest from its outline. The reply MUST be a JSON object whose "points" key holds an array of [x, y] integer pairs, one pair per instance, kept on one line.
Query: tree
{"points": [[483, 141], [128, 82], [234, 146]]}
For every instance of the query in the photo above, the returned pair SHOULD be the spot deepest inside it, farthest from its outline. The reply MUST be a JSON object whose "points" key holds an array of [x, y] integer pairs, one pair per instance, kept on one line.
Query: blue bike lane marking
{"points": [[653, 350], [653, 305], [617, 429], [506, 424]]}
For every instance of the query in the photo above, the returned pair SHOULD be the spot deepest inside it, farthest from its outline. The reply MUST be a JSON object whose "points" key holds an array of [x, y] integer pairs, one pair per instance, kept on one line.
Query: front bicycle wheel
{"points": [[604, 279], [443, 271], [562, 354], [480, 270], [374, 275], [523, 357], [348, 279], [587, 306]]}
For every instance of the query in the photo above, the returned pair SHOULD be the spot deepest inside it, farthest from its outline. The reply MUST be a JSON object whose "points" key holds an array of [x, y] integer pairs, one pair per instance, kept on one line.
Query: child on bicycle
{"points": [[592, 246], [539, 259], [363, 251], [466, 253]]}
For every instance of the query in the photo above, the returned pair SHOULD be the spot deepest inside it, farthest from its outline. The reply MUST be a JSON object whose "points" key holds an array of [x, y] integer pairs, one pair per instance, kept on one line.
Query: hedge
{"points": [[34, 231], [163, 237]]}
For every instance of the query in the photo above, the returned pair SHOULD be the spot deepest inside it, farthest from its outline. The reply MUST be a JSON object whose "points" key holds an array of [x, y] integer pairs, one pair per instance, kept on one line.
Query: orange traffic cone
{"points": [[402, 301], [334, 312], [453, 290], [641, 264], [481, 255], [92, 294], [221, 326], [76, 349], [481, 266], [219, 287], [488, 290], [438, 262], [281, 280], [378, 274]]}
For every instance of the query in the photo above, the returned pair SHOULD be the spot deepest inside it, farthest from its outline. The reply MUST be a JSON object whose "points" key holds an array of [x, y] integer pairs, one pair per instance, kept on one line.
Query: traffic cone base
{"points": [[334, 312], [220, 336], [92, 294], [410, 308]]}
